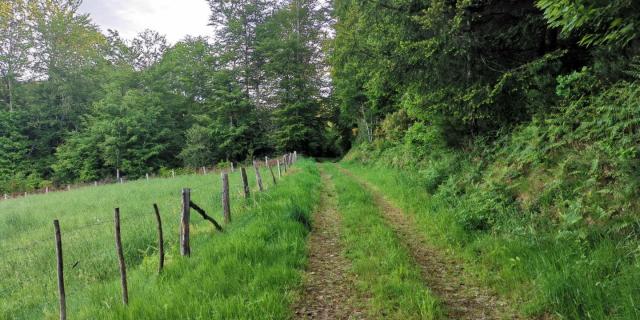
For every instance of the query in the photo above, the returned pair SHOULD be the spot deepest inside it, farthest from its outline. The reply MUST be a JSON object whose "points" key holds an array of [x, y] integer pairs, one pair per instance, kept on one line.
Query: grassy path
{"points": [[328, 289], [385, 275], [462, 299]]}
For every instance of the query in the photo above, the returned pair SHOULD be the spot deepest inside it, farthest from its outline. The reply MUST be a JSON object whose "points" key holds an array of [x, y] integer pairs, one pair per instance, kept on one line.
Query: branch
{"points": [[205, 216]]}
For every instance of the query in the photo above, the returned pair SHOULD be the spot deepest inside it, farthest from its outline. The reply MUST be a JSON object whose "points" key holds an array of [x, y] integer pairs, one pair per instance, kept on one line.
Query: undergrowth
{"points": [[546, 213]]}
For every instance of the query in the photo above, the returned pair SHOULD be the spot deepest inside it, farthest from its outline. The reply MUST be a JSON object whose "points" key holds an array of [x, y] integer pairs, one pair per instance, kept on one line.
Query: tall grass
{"points": [[541, 269], [28, 287], [383, 268]]}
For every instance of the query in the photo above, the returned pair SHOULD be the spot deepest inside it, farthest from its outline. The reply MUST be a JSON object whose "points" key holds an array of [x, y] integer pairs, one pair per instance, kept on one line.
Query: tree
{"points": [[290, 43], [15, 44], [14, 149], [454, 64], [147, 48], [598, 23], [236, 23]]}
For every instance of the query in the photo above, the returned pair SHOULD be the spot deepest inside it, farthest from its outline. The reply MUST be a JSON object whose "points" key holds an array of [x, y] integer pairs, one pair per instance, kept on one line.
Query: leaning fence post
{"points": [[123, 267], [226, 206], [185, 250], [62, 297], [258, 177], [160, 239], [245, 183]]}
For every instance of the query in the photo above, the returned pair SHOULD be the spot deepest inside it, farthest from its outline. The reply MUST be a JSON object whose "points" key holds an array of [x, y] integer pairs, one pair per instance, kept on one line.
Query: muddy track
{"points": [[328, 289], [441, 273]]}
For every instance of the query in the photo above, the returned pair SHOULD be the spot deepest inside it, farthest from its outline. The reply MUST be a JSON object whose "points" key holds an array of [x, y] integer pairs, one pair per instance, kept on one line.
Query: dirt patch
{"points": [[444, 275], [328, 290]]}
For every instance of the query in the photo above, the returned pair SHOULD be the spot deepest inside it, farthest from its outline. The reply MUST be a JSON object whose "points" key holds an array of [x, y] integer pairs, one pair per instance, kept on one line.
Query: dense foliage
{"points": [[77, 104], [522, 120]]}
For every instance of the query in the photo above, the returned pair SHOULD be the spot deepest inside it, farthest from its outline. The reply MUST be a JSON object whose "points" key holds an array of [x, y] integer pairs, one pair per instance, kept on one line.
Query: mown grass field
{"points": [[244, 271]]}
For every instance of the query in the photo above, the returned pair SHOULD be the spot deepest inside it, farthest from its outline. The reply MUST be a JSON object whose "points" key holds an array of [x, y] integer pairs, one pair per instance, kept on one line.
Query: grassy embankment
{"points": [[548, 235]]}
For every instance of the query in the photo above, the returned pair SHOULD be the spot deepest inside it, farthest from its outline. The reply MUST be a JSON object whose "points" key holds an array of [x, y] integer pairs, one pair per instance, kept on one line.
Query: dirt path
{"points": [[328, 291], [442, 274]]}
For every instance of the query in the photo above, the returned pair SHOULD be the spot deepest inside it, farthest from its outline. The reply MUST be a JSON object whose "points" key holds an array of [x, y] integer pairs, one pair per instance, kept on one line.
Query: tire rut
{"points": [[444, 275], [328, 291]]}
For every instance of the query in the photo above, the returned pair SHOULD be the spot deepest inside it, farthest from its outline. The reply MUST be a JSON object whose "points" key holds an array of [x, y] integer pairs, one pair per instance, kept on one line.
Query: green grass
{"points": [[383, 269], [574, 274], [248, 271]]}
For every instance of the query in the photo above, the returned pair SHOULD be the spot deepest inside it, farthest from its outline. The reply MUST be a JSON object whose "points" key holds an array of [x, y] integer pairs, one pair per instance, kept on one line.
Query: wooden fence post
{"points": [[173, 173], [147, 176], [46, 190], [273, 176], [258, 176], [117, 174], [6, 197], [266, 161], [68, 187], [95, 183], [62, 297], [279, 172], [232, 168], [226, 205], [204, 170], [185, 250], [245, 183], [160, 239], [123, 267]]}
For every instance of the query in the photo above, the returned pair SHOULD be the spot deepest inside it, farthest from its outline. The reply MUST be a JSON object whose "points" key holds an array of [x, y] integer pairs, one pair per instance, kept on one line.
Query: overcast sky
{"points": [[173, 18]]}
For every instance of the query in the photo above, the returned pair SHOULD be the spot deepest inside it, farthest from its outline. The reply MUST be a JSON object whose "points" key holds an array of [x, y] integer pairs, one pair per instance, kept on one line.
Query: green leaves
{"points": [[598, 23]]}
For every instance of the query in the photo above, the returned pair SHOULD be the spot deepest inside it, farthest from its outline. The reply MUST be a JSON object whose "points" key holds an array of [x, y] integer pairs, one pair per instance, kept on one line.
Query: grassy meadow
{"points": [[253, 261]]}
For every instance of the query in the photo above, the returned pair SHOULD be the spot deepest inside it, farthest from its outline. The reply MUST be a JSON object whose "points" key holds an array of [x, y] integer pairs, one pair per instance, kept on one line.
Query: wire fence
{"points": [[35, 249], [165, 173]]}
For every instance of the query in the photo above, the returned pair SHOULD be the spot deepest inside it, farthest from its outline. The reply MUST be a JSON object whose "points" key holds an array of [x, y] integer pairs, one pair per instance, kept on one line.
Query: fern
{"points": [[634, 68]]}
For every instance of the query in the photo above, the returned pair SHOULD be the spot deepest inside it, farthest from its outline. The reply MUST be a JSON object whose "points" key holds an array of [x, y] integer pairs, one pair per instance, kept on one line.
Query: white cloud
{"points": [[175, 19]]}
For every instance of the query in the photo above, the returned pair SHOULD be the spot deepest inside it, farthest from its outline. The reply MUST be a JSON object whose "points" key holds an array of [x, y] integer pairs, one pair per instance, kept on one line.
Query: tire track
{"points": [[328, 290], [444, 275]]}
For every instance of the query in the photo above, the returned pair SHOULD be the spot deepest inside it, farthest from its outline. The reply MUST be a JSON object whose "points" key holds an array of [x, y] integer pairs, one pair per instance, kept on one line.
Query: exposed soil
{"points": [[328, 289], [443, 274]]}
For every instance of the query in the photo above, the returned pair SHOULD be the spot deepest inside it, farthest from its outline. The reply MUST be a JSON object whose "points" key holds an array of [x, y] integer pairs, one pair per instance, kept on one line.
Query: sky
{"points": [[173, 18]]}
